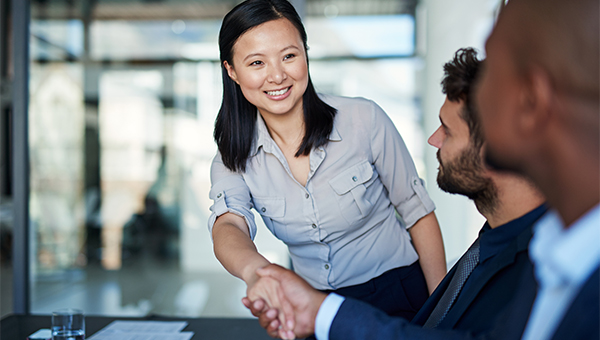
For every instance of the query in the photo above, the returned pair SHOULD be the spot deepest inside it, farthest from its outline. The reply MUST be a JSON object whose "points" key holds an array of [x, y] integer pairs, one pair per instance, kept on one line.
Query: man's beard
{"points": [[463, 176]]}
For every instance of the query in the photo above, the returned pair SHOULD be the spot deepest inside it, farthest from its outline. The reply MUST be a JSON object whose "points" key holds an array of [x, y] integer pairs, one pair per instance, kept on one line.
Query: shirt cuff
{"points": [[326, 314]]}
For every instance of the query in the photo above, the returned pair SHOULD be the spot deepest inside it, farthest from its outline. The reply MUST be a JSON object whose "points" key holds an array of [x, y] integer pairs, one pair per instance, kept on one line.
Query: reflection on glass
{"points": [[56, 135], [154, 40], [362, 36], [131, 136], [56, 39]]}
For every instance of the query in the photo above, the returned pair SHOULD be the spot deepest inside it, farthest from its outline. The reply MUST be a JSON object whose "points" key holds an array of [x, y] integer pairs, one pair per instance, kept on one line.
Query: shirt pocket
{"points": [[272, 211], [351, 187]]}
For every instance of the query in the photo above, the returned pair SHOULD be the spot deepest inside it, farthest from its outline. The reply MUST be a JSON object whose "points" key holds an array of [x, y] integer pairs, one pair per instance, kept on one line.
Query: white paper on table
{"points": [[106, 335], [143, 330], [146, 326]]}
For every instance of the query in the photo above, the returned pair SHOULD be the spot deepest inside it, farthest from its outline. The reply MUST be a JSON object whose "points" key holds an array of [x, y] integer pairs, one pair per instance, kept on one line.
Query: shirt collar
{"points": [[563, 256], [492, 241], [263, 139]]}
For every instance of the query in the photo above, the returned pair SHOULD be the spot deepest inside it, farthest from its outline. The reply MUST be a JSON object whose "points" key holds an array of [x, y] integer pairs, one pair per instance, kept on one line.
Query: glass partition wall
{"points": [[123, 97]]}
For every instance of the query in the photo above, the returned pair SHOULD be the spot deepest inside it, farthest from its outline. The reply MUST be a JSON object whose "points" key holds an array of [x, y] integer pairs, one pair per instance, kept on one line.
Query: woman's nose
{"points": [[277, 74]]}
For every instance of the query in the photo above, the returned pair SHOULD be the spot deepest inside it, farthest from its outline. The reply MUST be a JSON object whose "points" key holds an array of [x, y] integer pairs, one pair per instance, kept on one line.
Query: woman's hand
{"points": [[304, 299], [271, 293], [267, 317]]}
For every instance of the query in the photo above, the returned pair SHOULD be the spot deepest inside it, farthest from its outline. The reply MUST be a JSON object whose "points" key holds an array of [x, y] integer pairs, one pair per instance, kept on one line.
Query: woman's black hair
{"points": [[235, 124]]}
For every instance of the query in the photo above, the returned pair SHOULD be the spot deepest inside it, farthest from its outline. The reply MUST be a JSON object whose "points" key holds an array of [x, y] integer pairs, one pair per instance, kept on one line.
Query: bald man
{"points": [[539, 106]]}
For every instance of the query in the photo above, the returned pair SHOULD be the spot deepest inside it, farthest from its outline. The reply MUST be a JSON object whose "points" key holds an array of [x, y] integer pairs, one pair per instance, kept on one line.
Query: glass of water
{"points": [[68, 324]]}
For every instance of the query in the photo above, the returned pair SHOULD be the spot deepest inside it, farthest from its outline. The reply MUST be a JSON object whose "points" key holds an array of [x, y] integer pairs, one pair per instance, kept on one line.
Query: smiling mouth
{"points": [[278, 92]]}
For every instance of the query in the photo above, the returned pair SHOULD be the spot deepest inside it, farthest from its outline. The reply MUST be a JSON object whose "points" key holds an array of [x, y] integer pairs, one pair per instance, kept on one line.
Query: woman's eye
{"points": [[258, 62], [289, 56]]}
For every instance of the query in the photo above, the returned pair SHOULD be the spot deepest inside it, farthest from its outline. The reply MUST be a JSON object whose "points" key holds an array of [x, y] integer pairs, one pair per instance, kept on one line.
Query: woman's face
{"points": [[269, 64]]}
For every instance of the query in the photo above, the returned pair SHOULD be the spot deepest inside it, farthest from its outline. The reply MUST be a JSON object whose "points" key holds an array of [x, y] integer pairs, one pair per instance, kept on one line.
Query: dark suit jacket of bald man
{"points": [[493, 305], [357, 320]]}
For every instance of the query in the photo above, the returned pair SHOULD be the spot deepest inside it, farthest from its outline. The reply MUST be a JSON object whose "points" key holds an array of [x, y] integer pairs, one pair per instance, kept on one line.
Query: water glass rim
{"points": [[67, 311]]}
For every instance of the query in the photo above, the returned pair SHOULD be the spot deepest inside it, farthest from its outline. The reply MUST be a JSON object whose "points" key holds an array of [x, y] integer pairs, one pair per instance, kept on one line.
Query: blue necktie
{"points": [[466, 264]]}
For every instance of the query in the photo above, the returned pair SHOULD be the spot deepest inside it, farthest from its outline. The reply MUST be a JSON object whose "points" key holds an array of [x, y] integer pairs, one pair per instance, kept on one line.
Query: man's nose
{"points": [[435, 139]]}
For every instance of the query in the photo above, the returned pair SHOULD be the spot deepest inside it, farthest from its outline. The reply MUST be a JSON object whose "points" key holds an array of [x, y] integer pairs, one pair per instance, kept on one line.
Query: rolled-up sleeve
{"points": [[397, 170], [229, 193]]}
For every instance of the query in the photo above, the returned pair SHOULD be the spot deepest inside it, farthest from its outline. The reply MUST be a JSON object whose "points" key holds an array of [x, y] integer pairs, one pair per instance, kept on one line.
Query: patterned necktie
{"points": [[466, 264]]}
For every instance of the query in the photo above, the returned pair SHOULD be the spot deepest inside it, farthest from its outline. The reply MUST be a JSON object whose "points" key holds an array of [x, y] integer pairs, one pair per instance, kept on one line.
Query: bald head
{"points": [[560, 36], [550, 51], [538, 98]]}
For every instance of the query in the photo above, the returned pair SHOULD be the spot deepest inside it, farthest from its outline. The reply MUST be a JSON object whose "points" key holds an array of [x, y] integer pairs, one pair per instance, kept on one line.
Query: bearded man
{"points": [[470, 298]]}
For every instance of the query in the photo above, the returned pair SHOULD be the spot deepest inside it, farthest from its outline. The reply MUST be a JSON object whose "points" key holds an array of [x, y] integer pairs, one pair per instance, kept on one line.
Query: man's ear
{"points": [[536, 101], [231, 72], [482, 150], [484, 163]]}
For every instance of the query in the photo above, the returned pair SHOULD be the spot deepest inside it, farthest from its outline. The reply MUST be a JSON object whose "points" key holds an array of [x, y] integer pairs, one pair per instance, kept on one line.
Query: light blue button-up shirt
{"points": [[563, 260], [341, 227]]}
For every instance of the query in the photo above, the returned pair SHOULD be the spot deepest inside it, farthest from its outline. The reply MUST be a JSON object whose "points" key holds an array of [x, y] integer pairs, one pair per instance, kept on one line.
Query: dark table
{"points": [[18, 327]]}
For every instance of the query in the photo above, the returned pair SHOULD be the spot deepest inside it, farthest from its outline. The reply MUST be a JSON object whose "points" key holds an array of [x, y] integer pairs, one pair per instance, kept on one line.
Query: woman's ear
{"points": [[230, 72]]}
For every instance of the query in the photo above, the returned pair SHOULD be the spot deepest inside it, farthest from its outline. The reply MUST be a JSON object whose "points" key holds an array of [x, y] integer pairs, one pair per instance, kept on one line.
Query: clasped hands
{"points": [[285, 304]]}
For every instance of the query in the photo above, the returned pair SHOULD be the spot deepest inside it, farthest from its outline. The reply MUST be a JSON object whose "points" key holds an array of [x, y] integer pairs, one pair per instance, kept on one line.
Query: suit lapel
{"points": [[581, 319], [498, 262]]}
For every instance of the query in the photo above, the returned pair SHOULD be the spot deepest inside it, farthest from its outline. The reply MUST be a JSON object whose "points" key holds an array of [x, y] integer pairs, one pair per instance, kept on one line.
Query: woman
{"points": [[327, 174]]}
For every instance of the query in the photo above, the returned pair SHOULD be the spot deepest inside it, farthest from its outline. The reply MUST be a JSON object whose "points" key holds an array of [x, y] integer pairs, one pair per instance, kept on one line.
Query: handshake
{"points": [[285, 304]]}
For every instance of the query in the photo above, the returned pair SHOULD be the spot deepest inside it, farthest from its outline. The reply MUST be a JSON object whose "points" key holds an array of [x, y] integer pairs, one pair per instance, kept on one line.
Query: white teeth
{"points": [[278, 93]]}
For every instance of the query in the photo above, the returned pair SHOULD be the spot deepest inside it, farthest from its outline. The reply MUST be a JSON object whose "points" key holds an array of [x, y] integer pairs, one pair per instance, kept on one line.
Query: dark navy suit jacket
{"points": [[494, 305], [582, 320], [357, 320], [488, 291]]}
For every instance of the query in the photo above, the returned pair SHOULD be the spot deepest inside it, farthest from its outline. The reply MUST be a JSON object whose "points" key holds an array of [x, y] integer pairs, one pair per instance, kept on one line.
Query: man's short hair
{"points": [[459, 77]]}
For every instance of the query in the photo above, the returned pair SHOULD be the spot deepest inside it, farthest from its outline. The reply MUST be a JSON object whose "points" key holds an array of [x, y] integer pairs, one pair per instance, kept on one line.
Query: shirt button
{"points": [[307, 195], [354, 178], [263, 209], [219, 195], [314, 226], [415, 182], [326, 266]]}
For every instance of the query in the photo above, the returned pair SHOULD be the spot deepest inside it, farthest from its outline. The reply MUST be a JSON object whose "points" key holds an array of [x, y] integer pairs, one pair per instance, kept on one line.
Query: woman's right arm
{"points": [[234, 248], [233, 228], [238, 254], [232, 238]]}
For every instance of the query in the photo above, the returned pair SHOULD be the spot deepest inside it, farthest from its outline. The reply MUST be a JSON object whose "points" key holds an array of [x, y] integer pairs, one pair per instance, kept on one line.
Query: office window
{"points": [[123, 97]]}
